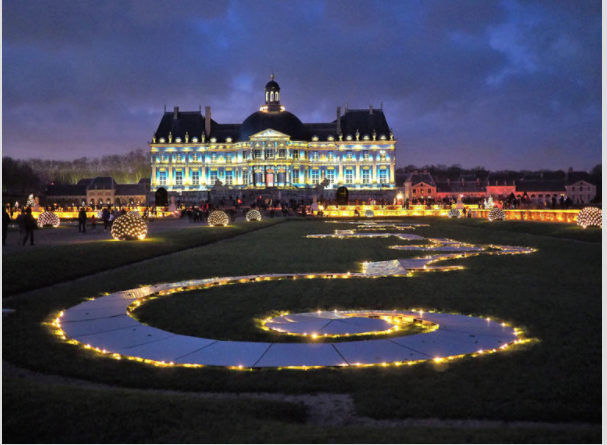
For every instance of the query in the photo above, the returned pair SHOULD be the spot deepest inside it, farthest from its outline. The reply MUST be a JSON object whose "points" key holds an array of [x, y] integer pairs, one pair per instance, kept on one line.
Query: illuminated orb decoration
{"points": [[135, 213], [590, 216], [218, 218], [48, 219], [497, 214], [369, 214], [128, 227], [253, 215], [454, 213]]}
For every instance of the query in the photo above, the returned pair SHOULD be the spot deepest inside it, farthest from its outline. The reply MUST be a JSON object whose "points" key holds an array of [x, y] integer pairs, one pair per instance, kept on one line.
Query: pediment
{"points": [[270, 133]]}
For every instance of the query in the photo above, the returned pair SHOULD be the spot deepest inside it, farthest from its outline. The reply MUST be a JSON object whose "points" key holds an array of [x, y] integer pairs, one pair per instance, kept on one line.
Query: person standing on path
{"points": [[82, 220], [29, 224], [6, 219]]}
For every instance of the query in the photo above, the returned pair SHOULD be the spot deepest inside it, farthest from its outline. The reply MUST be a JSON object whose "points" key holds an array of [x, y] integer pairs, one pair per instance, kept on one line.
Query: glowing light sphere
{"points": [[129, 227], [590, 216], [369, 213], [135, 213], [497, 214], [253, 215], [48, 219], [218, 218], [454, 213]]}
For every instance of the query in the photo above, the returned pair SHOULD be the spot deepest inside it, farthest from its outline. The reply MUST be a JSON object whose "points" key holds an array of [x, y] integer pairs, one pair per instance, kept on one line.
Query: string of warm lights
{"points": [[48, 219], [496, 213], [218, 218], [377, 322], [590, 216], [129, 227], [454, 213], [253, 215]]}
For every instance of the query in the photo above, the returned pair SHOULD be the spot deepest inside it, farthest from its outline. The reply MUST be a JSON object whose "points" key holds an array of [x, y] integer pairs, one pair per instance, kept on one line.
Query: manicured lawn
{"points": [[554, 295], [63, 414], [44, 266]]}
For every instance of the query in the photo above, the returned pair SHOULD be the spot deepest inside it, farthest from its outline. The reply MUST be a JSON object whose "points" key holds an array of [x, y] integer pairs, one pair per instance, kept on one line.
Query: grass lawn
{"points": [[554, 295], [44, 266]]}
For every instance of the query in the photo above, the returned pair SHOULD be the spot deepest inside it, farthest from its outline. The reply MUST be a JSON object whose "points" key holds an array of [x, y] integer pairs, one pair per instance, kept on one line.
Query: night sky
{"points": [[500, 84]]}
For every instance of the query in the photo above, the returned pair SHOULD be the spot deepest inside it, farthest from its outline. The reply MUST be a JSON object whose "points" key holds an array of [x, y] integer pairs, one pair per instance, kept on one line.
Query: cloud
{"points": [[494, 83]]}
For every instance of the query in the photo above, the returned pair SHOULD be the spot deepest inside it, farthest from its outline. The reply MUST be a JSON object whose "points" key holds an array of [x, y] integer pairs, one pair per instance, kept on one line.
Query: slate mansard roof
{"points": [[192, 123], [274, 116]]}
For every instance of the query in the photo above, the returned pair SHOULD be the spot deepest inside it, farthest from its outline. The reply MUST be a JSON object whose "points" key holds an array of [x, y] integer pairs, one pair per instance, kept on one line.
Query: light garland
{"points": [[129, 227], [76, 326], [454, 213], [218, 218], [495, 214], [48, 219], [253, 215], [590, 216]]}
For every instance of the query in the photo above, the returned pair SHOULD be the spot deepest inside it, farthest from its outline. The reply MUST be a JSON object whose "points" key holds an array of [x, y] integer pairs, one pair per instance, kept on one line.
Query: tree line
{"points": [[33, 175]]}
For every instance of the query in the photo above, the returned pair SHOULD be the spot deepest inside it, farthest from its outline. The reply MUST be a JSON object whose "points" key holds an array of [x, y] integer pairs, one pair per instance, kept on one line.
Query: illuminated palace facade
{"points": [[273, 148]]}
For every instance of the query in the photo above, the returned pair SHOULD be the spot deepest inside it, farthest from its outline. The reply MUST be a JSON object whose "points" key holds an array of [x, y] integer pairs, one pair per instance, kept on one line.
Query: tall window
{"points": [[164, 158], [257, 154], [349, 176], [331, 176], [349, 155], [315, 156], [229, 178], [213, 176], [366, 176], [162, 178], [258, 178], [195, 157], [178, 158], [178, 177], [213, 157], [383, 176], [245, 178], [315, 176], [195, 177], [270, 153], [365, 155], [295, 176], [229, 158], [330, 155], [282, 153], [295, 154]]}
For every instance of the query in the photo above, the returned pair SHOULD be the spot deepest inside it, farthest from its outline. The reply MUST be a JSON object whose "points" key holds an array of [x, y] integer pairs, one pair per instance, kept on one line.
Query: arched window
{"points": [[272, 96]]}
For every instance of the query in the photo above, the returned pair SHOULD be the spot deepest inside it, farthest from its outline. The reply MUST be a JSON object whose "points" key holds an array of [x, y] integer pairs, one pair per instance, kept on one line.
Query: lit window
{"points": [[195, 157], [229, 158], [245, 178], [365, 155], [295, 154], [330, 155], [349, 155], [366, 175], [315, 156], [195, 177], [383, 176], [331, 176], [213, 157], [229, 178], [162, 178], [295, 176], [315, 176], [257, 154], [213, 176], [349, 176], [269, 154], [281, 153], [178, 177]]}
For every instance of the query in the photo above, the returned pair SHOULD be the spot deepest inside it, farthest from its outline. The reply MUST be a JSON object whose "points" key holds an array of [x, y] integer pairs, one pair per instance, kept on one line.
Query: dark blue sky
{"points": [[501, 84]]}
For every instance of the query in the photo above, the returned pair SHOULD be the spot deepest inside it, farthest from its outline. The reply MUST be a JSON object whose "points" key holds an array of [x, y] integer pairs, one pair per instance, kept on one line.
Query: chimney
{"points": [[370, 109], [175, 113], [207, 120], [338, 129]]}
